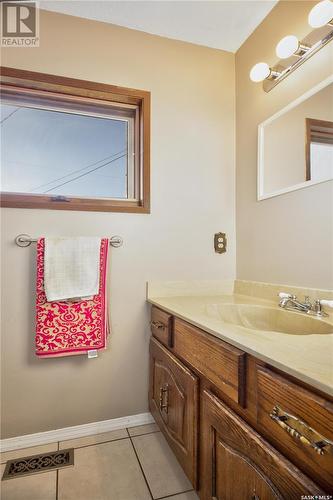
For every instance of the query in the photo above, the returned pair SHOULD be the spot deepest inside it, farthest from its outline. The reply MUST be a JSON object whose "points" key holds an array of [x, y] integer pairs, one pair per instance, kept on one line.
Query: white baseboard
{"points": [[76, 431]]}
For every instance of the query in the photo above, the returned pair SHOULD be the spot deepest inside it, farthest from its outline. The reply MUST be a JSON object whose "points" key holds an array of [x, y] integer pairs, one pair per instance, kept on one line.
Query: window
{"points": [[73, 145]]}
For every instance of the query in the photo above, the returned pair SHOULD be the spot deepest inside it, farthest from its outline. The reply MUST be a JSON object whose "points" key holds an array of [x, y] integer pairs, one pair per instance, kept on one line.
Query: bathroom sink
{"points": [[268, 318]]}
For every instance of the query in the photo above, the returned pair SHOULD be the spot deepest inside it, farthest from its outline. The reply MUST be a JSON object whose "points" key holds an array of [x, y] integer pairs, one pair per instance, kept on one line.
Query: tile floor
{"points": [[128, 464]]}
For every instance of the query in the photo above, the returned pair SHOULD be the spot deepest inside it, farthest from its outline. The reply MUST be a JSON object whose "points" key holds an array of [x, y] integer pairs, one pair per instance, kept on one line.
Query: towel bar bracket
{"points": [[24, 240]]}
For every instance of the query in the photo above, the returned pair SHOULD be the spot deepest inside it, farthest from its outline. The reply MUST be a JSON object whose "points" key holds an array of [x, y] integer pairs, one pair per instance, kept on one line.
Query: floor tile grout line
{"points": [[57, 484], [175, 494], [74, 447], [57, 477], [103, 442], [166, 496], [141, 468], [143, 434], [96, 444], [86, 445]]}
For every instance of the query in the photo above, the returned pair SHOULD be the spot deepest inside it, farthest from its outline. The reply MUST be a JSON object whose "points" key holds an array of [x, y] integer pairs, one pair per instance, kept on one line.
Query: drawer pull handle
{"points": [[301, 431], [158, 325], [164, 398]]}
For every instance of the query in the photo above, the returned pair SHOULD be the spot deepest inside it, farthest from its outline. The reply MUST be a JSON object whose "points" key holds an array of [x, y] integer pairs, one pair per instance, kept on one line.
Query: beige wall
{"points": [[192, 197], [287, 239]]}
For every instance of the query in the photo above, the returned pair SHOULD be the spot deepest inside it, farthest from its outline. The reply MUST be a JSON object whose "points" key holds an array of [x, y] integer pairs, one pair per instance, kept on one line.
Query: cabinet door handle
{"points": [[301, 431], [158, 325], [164, 398]]}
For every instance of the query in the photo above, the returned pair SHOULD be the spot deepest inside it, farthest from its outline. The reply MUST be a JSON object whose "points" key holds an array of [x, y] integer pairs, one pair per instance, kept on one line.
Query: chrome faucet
{"points": [[290, 302]]}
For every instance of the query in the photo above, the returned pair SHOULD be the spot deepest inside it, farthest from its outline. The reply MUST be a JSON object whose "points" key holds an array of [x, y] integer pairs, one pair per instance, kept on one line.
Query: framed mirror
{"points": [[295, 146]]}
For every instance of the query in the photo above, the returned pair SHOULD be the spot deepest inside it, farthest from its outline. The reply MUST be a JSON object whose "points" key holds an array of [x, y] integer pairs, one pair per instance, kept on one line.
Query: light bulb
{"points": [[321, 14], [259, 72], [287, 47]]}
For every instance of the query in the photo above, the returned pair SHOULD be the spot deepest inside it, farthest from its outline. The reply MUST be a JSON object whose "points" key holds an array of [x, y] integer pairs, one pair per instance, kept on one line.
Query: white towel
{"points": [[71, 268]]}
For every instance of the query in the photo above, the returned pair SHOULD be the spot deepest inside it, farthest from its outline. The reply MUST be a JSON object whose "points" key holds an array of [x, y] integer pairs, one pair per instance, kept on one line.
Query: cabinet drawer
{"points": [[299, 422], [237, 463], [219, 362], [161, 326], [173, 401]]}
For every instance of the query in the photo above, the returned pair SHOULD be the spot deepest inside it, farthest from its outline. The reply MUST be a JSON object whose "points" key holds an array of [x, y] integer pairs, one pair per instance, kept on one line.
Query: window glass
{"points": [[45, 151]]}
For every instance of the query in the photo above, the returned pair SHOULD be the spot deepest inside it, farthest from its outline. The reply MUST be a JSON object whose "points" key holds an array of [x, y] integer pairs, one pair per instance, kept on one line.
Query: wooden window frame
{"points": [[324, 137], [18, 81]]}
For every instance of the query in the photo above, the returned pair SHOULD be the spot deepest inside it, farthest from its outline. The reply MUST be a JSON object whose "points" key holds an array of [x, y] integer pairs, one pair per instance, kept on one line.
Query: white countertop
{"points": [[308, 357]]}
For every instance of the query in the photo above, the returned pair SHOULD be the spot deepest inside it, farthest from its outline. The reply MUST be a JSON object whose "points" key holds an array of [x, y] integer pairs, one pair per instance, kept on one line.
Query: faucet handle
{"points": [[317, 308], [284, 295]]}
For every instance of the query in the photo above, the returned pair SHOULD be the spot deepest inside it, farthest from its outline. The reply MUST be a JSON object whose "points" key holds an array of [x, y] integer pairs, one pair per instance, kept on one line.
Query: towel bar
{"points": [[24, 240]]}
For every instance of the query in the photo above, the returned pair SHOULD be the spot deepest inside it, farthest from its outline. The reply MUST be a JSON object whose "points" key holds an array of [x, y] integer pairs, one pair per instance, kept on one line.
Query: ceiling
{"points": [[218, 24]]}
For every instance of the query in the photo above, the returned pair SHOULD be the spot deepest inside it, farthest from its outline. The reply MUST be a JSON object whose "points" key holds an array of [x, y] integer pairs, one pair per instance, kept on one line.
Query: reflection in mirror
{"points": [[296, 144], [319, 149]]}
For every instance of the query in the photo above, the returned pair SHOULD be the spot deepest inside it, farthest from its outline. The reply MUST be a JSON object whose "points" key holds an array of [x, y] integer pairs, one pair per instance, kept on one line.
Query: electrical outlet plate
{"points": [[220, 242]]}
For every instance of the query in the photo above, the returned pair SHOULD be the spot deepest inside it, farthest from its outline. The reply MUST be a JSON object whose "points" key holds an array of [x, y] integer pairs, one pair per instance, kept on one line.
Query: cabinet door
{"points": [[173, 401], [238, 463]]}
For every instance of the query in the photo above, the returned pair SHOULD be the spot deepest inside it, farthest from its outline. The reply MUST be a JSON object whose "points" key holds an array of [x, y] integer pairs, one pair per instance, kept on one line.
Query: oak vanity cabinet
{"points": [[239, 428], [173, 398]]}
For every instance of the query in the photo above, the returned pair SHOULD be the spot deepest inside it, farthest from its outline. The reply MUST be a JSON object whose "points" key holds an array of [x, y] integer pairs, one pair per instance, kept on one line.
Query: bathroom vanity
{"points": [[241, 427]]}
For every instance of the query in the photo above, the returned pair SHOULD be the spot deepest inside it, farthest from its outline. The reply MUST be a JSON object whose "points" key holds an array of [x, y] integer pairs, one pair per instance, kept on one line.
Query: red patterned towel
{"points": [[66, 328]]}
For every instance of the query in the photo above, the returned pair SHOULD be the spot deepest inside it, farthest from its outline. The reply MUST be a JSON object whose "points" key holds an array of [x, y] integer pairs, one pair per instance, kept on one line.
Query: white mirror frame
{"points": [[261, 144]]}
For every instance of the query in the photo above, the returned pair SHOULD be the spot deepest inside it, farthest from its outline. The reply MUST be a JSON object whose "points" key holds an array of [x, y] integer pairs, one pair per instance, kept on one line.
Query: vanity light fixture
{"points": [[260, 71], [293, 52], [321, 14], [289, 46]]}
